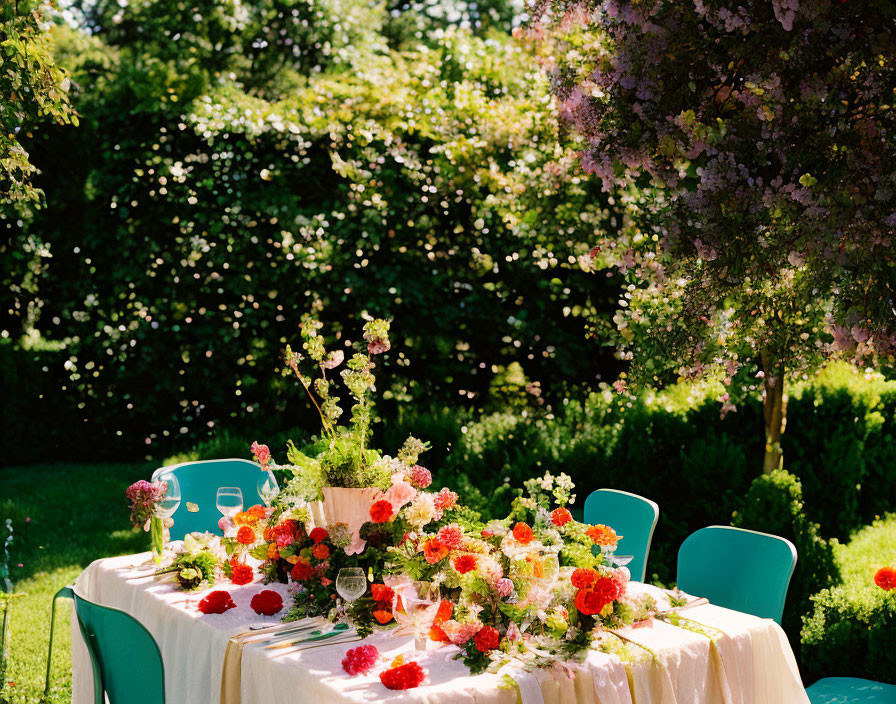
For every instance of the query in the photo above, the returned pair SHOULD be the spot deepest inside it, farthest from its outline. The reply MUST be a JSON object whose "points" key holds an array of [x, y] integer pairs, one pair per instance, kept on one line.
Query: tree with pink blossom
{"points": [[751, 147]]}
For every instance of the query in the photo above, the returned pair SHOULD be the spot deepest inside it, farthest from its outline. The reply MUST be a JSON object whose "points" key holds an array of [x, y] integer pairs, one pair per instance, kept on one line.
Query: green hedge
{"points": [[774, 504], [850, 630]]}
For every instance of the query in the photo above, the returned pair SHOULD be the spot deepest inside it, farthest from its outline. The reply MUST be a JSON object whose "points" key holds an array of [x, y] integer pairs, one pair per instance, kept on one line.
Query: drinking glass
{"points": [[351, 583], [421, 603], [621, 560], [162, 513], [229, 500], [171, 500], [267, 488]]}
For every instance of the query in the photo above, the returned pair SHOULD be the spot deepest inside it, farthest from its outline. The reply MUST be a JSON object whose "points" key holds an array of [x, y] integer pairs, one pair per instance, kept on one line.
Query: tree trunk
{"points": [[774, 411]]}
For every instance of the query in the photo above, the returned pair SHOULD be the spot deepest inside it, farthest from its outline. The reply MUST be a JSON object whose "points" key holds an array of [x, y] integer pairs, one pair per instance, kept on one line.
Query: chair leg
{"points": [[66, 593]]}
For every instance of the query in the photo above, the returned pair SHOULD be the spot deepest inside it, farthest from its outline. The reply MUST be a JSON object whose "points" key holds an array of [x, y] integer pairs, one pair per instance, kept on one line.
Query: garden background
{"points": [[234, 166]]}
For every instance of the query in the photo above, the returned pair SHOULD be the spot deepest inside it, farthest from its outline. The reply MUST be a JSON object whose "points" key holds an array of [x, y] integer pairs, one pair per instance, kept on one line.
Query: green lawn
{"points": [[78, 513]]}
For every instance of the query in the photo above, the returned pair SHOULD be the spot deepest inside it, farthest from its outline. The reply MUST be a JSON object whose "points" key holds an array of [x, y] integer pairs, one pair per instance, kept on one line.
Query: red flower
{"points": [[267, 602], [403, 677], [885, 578], [245, 536], [318, 535], [381, 511], [593, 599], [445, 611], [583, 577], [522, 533], [434, 551], [301, 571], [487, 638], [216, 603], [358, 661], [560, 517], [321, 552], [603, 535], [382, 616], [381, 593], [240, 573], [465, 563]]}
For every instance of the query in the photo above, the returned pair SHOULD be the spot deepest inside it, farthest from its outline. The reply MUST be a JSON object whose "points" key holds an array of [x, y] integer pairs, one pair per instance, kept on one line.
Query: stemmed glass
{"points": [[351, 583], [421, 602], [165, 508], [229, 501], [267, 488]]}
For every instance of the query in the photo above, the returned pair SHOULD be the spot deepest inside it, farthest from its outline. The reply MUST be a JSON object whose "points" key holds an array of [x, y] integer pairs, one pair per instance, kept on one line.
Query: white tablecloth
{"points": [[749, 661]]}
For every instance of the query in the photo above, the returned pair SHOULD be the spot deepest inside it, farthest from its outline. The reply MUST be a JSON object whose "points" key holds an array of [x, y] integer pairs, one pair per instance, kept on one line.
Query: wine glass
{"points": [[621, 560], [351, 583], [267, 488], [170, 502], [229, 501]]}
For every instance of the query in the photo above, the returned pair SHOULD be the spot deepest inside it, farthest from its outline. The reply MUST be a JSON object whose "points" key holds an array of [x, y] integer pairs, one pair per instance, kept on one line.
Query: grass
{"points": [[868, 550], [77, 514]]}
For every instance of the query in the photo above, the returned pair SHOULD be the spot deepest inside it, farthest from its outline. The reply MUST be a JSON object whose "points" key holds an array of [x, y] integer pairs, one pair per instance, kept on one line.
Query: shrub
{"points": [[774, 504], [850, 628]]}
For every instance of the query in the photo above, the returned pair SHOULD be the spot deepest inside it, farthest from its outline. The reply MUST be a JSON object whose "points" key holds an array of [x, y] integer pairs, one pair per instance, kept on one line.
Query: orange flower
{"points": [[273, 552], [241, 519], [583, 577], [321, 551], [256, 513], [603, 535], [465, 563], [245, 536], [885, 578], [446, 609], [523, 533], [383, 616], [434, 551], [560, 516]]}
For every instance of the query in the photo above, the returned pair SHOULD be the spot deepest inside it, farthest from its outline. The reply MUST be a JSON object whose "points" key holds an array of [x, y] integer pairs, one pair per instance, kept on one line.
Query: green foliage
{"points": [[197, 213], [850, 629], [774, 504], [839, 442]]}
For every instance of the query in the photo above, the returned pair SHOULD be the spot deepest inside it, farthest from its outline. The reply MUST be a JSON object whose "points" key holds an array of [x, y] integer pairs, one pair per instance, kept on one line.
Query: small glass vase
{"points": [[157, 535]]}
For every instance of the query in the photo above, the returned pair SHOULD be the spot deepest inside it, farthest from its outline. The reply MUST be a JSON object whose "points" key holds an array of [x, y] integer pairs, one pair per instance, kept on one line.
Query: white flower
{"points": [[422, 510]]}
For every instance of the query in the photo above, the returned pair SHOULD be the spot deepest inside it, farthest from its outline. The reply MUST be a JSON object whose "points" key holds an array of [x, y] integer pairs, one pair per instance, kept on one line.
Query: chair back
{"points": [[126, 660], [199, 483], [631, 516], [739, 569]]}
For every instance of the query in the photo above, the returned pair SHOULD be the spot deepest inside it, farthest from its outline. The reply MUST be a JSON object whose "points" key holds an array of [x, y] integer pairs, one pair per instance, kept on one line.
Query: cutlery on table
{"points": [[291, 641]]}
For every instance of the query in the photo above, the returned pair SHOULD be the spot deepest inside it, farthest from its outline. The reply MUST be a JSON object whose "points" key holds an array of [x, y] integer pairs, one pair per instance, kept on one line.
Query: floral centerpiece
{"points": [[531, 589]]}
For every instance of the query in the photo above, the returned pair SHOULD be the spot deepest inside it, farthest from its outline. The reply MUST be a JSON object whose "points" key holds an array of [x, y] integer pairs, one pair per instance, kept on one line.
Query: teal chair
{"points": [[849, 690], [738, 569], [126, 662], [631, 516], [199, 483]]}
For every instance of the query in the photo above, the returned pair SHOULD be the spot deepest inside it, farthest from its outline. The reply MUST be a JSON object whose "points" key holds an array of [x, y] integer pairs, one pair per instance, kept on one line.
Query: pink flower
{"points": [[262, 453], [284, 539], [420, 477], [459, 633], [451, 536], [400, 493], [504, 587], [333, 360], [378, 346], [445, 499]]}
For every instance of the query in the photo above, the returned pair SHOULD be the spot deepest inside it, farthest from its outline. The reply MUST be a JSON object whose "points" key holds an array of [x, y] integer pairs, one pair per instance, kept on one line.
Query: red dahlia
{"points": [[267, 602], [245, 536], [403, 677], [216, 603], [381, 511], [464, 564], [318, 535], [885, 578], [583, 577], [240, 573], [487, 638], [301, 571]]}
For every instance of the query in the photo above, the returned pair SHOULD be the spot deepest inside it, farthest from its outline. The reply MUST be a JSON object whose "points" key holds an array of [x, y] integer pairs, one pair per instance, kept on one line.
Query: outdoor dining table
{"points": [[715, 655]]}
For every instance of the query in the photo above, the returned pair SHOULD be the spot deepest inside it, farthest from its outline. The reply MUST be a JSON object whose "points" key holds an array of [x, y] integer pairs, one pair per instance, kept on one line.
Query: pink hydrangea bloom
{"points": [[420, 477], [459, 633], [451, 536], [504, 587]]}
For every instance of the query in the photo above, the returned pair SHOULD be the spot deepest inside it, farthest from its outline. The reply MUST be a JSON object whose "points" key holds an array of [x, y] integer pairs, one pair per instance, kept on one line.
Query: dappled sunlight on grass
{"points": [[78, 513]]}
